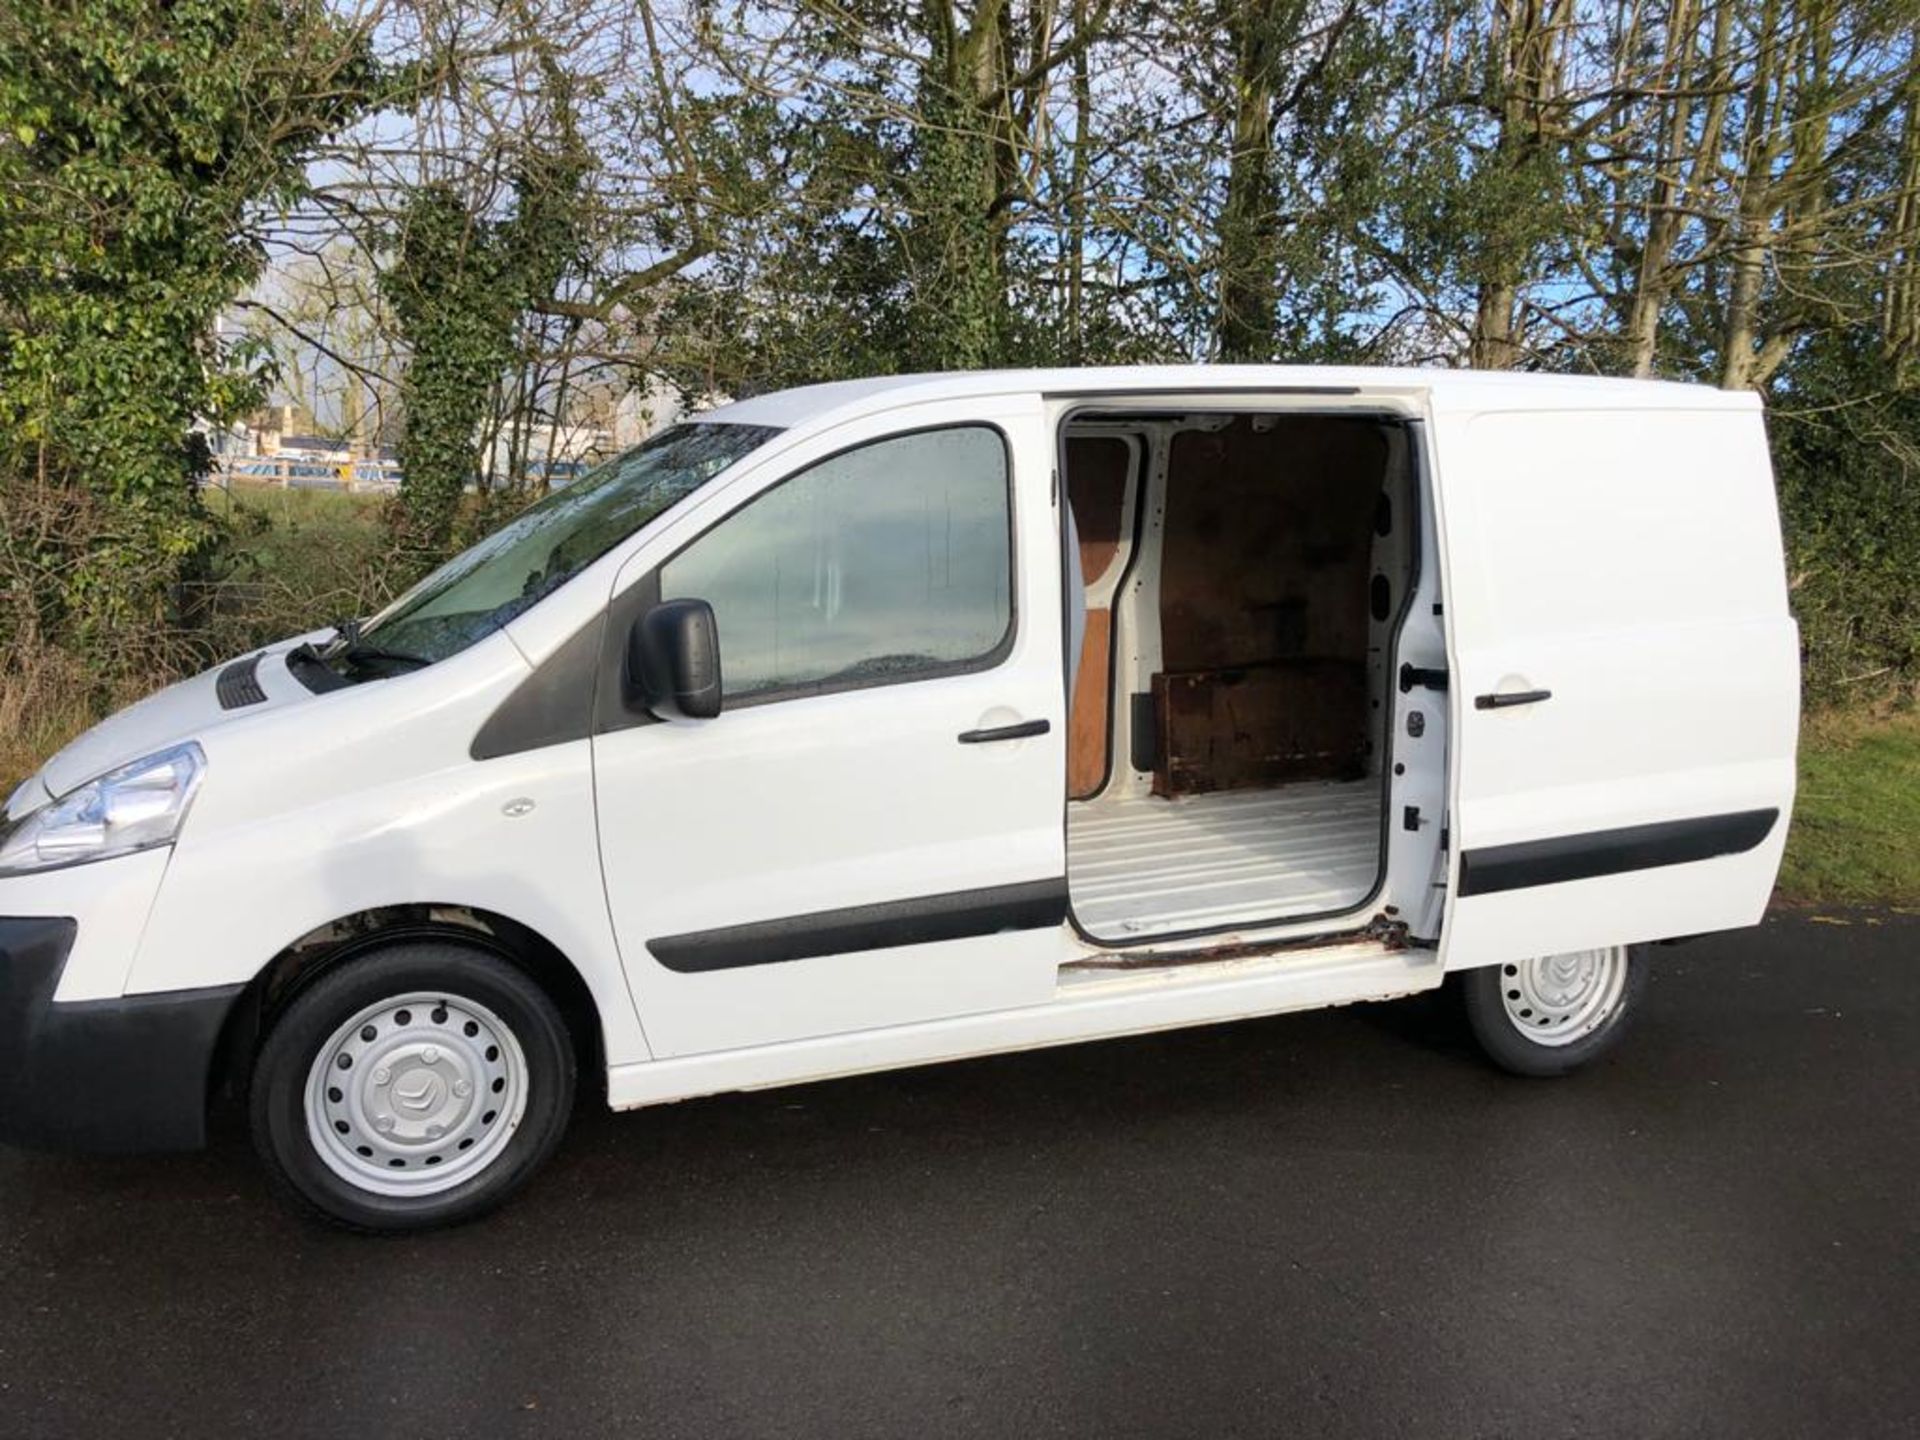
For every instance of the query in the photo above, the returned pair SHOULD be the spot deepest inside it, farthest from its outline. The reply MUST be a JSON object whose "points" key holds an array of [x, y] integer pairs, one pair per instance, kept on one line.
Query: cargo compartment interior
{"points": [[1244, 577]]}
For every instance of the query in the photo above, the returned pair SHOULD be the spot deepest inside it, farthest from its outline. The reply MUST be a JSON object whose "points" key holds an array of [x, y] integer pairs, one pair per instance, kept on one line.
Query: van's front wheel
{"points": [[414, 1087], [1555, 1013]]}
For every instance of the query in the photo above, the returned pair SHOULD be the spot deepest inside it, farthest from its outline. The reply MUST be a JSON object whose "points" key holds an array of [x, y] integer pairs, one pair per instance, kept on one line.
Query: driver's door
{"points": [[869, 833]]}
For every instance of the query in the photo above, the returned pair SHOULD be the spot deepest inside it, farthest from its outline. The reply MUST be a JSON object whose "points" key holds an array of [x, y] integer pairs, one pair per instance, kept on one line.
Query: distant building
{"points": [[542, 450], [310, 447], [646, 410]]}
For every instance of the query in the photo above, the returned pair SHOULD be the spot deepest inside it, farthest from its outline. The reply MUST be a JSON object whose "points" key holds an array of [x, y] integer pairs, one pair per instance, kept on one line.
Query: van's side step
{"points": [[1383, 929], [1109, 1006]]}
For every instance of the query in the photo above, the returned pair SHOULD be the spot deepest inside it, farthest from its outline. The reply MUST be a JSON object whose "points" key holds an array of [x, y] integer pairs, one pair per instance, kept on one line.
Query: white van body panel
{"points": [[851, 799], [368, 797], [114, 897], [185, 710], [1614, 542], [1628, 562], [1099, 1009]]}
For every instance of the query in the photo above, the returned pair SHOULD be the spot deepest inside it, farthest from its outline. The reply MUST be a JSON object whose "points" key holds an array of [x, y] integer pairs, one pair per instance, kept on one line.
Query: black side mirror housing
{"points": [[673, 661]]}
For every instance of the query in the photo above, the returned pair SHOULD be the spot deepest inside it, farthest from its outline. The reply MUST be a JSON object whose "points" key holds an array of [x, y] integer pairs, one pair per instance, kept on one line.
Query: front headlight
{"points": [[133, 808], [27, 794]]}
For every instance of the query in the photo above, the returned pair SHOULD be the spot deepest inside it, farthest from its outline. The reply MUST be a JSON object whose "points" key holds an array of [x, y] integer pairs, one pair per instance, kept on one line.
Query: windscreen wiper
{"points": [[350, 648], [359, 654]]}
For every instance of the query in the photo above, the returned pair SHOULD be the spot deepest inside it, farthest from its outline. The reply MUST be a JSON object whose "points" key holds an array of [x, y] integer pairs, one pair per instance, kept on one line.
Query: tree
{"points": [[139, 144], [459, 286]]}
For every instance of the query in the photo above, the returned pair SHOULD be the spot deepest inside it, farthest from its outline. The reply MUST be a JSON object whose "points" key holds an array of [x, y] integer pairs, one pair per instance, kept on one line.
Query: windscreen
{"points": [[544, 546]]}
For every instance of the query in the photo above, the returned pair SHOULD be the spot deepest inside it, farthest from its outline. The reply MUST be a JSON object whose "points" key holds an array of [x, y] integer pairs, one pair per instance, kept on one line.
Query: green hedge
{"points": [[1849, 475]]}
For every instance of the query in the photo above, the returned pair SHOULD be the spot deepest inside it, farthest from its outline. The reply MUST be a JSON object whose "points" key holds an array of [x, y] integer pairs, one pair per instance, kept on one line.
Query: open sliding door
{"points": [[1625, 674]]}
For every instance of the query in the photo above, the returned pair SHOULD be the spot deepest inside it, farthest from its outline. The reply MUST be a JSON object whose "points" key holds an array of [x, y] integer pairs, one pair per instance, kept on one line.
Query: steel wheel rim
{"points": [[1558, 999], [416, 1094]]}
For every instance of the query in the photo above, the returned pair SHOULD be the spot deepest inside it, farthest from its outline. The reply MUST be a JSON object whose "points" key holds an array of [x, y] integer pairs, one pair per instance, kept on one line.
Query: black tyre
{"points": [[1554, 1014], [414, 1087]]}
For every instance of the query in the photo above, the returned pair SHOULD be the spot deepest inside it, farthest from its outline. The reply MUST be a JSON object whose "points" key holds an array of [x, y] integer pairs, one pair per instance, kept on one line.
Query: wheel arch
{"points": [[326, 947]]}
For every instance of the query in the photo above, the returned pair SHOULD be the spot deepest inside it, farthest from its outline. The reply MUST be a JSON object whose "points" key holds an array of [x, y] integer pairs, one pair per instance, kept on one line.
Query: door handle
{"points": [[1019, 731], [1505, 699]]}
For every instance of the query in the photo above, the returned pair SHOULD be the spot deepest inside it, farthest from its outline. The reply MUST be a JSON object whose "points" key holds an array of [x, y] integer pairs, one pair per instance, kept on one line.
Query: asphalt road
{"points": [[1338, 1223]]}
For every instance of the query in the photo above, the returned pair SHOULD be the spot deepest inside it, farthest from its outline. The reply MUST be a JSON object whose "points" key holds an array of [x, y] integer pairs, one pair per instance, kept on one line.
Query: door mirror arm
{"points": [[673, 661]]}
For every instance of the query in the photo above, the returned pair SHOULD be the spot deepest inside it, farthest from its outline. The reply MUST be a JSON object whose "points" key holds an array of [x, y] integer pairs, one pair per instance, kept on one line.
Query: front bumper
{"points": [[120, 1076]]}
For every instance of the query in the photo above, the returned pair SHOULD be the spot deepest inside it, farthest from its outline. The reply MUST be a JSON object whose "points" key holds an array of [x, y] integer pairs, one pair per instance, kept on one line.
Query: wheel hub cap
{"points": [[416, 1094], [1557, 999]]}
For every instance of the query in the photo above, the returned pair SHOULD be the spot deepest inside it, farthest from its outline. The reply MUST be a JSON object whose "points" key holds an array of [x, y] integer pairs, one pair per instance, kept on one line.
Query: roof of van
{"points": [[1450, 389]]}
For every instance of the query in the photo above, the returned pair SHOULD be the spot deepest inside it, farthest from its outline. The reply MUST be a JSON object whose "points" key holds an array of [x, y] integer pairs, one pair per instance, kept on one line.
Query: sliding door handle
{"points": [[1505, 699], [1018, 731]]}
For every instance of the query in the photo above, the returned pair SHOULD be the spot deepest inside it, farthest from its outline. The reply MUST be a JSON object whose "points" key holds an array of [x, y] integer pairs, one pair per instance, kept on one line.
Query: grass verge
{"points": [[1856, 821]]}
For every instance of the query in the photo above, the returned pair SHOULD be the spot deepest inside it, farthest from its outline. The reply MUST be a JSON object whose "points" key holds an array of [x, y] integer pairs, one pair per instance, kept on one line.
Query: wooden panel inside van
{"points": [[1098, 468], [1264, 575]]}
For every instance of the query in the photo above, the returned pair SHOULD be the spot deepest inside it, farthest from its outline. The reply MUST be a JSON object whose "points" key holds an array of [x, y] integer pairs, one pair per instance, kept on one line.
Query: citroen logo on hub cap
{"points": [[418, 1092]]}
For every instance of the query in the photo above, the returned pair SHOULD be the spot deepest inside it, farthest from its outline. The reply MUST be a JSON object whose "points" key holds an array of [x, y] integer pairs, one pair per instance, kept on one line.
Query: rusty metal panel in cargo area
{"points": [[1252, 725]]}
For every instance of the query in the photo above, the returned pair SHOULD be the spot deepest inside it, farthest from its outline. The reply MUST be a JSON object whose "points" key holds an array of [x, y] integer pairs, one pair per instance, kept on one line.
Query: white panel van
{"points": [[902, 720]]}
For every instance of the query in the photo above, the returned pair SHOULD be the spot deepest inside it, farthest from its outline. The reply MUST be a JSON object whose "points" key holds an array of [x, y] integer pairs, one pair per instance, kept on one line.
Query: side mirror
{"points": [[673, 661]]}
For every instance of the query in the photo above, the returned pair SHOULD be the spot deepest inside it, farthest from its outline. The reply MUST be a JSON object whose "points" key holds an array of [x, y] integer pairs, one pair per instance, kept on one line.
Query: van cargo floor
{"points": [[1142, 866]]}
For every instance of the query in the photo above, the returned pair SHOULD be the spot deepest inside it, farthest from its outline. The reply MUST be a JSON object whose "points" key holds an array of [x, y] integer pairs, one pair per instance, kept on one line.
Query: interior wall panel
{"points": [[1099, 470], [1264, 577]]}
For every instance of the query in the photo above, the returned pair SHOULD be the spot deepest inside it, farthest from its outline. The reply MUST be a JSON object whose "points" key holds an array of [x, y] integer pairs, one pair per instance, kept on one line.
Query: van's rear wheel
{"points": [[414, 1087], [1553, 1014]]}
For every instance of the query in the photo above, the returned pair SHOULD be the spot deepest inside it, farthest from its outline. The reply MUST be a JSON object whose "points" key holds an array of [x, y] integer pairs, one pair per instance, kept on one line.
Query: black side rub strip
{"points": [[1036, 905], [1611, 852]]}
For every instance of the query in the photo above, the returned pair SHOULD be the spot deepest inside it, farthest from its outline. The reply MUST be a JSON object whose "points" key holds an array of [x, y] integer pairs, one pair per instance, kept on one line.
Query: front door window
{"points": [[884, 564]]}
